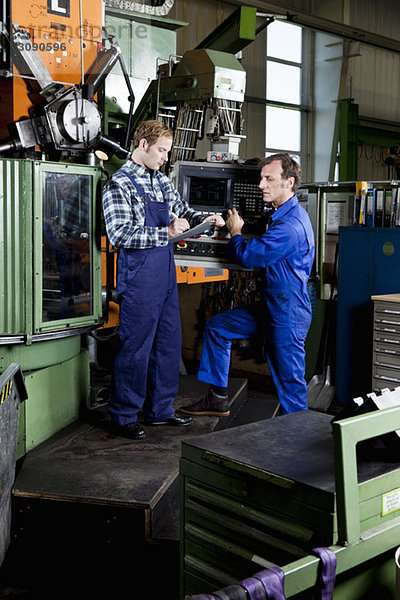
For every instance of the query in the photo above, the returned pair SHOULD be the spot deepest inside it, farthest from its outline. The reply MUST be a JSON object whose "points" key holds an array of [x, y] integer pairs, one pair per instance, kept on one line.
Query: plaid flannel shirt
{"points": [[124, 211]]}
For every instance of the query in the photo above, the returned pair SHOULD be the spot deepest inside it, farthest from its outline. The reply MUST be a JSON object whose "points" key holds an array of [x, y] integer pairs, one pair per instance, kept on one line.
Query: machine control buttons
{"points": [[220, 157]]}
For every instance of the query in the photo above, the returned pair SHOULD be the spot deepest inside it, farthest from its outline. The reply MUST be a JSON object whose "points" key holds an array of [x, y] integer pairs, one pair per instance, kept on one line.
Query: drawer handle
{"points": [[379, 364], [385, 351], [388, 341], [386, 311], [387, 378]]}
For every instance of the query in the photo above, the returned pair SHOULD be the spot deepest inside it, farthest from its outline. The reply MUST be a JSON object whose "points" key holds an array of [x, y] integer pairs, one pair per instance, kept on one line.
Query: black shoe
{"points": [[212, 405], [177, 419], [133, 431]]}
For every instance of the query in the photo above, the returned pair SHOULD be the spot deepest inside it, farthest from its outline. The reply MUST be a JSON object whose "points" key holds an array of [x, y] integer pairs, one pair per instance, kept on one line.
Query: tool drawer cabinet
{"points": [[386, 342]]}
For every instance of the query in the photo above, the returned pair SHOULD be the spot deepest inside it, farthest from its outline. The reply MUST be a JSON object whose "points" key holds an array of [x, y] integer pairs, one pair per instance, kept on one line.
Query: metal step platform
{"points": [[88, 500], [87, 463]]}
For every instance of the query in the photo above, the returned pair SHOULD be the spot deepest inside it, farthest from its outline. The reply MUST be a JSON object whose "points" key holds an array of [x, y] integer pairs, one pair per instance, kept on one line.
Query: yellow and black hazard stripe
{"points": [[6, 391]]}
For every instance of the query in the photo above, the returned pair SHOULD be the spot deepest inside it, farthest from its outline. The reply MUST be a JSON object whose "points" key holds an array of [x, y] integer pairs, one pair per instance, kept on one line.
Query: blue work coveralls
{"points": [[286, 252], [148, 351]]}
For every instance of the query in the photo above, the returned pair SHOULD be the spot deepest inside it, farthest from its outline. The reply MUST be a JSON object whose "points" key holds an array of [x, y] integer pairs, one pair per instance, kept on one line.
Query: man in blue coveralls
{"points": [[286, 252], [142, 211]]}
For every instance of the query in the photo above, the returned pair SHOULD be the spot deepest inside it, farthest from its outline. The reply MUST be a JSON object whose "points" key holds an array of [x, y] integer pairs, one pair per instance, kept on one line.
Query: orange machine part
{"points": [[108, 271], [183, 274], [189, 275], [46, 30], [199, 275]]}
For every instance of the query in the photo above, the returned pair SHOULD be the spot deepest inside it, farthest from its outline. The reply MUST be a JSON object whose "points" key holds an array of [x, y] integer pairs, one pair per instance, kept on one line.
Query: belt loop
{"points": [[327, 573]]}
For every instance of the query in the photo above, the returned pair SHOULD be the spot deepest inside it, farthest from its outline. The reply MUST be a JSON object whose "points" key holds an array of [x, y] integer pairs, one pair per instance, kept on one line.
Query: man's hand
{"points": [[177, 226], [234, 222], [217, 218]]}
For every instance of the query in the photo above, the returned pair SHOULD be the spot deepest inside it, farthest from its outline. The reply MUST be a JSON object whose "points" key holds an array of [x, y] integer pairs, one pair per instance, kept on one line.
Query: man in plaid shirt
{"points": [[142, 212]]}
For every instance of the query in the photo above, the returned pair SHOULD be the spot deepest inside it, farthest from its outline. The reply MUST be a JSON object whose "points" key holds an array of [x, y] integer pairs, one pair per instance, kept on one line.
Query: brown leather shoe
{"points": [[212, 405]]}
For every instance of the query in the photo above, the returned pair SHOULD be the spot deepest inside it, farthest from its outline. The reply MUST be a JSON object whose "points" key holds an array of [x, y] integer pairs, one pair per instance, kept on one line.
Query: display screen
{"points": [[207, 192]]}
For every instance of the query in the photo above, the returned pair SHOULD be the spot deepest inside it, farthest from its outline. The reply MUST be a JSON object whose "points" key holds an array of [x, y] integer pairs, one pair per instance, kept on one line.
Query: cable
{"points": [[104, 338]]}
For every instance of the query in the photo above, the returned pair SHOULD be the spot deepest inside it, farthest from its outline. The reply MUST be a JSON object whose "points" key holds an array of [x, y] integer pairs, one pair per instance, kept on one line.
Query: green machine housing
{"points": [[266, 494], [50, 287]]}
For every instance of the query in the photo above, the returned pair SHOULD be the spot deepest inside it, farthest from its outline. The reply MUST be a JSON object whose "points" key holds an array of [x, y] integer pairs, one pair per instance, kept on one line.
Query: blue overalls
{"points": [[148, 351], [286, 252]]}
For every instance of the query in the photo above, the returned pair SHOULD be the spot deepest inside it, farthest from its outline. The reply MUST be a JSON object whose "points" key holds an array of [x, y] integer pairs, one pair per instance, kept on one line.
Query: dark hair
{"points": [[290, 168], [150, 131]]}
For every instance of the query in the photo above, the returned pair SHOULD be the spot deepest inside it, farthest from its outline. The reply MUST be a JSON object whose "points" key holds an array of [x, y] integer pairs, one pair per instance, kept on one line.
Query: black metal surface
{"points": [[12, 392], [87, 463], [298, 447], [64, 550], [87, 504]]}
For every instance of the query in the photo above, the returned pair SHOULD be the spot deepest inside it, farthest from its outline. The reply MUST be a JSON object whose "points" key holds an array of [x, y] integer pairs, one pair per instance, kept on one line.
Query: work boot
{"points": [[212, 404]]}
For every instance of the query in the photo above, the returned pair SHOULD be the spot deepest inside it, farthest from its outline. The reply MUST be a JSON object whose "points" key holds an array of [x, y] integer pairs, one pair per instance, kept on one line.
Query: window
{"points": [[66, 266], [284, 89]]}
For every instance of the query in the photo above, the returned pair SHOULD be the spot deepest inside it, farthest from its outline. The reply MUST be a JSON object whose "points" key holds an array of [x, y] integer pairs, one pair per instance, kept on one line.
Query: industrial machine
{"points": [[64, 120], [213, 188], [50, 279], [201, 94], [54, 62], [51, 286]]}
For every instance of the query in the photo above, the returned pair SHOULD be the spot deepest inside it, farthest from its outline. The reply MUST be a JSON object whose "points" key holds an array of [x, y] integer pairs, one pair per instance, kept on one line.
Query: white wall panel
{"points": [[378, 17], [374, 77], [373, 80]]}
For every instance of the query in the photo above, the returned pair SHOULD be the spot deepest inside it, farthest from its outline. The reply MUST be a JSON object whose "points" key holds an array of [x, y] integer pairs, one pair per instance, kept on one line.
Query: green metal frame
{"points": [[16, 246], [348, 160], [352, 134], [47, 362], [56, 395], [321, 191], [346, 435], [95, 251], [235, 33], [356, 547], [378, 136]]}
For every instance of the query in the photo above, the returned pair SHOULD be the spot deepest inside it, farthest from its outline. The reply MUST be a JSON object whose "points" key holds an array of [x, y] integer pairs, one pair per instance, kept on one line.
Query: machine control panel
{"points": [[215, 188], [212, 187], [247, 198], [202, 248]]}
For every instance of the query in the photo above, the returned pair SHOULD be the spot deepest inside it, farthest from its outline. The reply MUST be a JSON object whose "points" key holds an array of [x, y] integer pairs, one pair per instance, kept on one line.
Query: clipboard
{"points": [[201, 228]]}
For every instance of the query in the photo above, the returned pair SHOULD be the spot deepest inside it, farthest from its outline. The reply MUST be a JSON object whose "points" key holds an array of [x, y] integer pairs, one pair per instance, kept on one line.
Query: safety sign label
{"points": [[390, 502]]}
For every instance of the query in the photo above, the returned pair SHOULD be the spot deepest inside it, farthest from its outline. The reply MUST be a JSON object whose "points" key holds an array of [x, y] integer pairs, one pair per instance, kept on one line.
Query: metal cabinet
{"points": [[368, 265], [386, 342], [267, 493]]}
